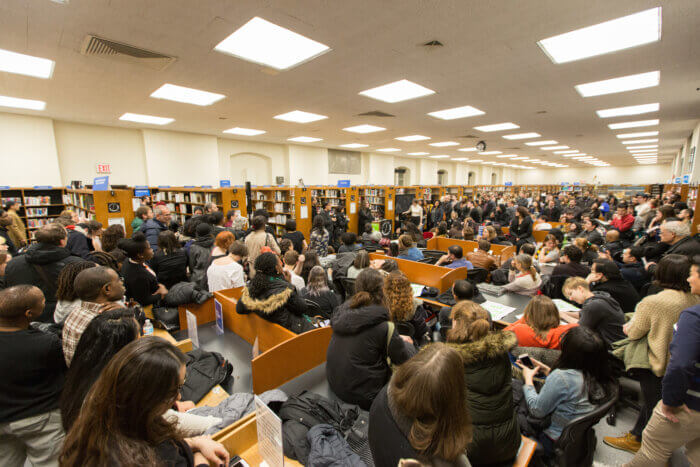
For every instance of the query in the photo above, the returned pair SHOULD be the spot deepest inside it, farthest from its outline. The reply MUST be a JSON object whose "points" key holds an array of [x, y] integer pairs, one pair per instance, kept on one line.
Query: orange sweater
{"points": [[527, 337]]}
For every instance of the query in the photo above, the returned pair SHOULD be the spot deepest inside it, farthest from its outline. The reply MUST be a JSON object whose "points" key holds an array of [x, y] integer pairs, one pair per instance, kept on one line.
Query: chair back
{"points": [[437, 254], [348, 286], [477, 275], [404, 328]]}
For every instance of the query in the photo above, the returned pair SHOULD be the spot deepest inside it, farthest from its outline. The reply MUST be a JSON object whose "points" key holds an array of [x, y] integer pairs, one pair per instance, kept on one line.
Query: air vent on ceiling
{"points": [[467, 136], [541, 112], [513, 149], [433, 43], [94, 46], [375, 113]]}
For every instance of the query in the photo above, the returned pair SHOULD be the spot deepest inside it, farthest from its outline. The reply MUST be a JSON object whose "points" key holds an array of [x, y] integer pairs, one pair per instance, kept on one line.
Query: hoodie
{"points": [[357, 366], [199, 260], [602, 314]]}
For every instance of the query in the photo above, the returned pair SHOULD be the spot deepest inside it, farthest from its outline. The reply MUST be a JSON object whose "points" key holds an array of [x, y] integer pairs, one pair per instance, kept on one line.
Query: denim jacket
{"points": [[562, 396], [413, 254]]}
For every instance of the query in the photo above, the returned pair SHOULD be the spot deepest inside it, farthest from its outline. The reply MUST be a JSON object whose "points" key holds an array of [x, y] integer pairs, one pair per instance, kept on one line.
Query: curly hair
{"points": [[398, 296], [111, 236], [64, 287]]}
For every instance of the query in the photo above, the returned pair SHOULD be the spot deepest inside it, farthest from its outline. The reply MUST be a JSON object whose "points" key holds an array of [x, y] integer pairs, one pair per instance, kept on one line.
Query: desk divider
{"points": [[430, 275], [503, 252]]}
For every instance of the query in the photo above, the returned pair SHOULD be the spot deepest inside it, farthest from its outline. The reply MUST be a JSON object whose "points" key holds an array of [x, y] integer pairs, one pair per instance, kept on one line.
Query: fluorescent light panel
{"points": [[354, 145], [173, 92], [388, 149], [497, 127], [644, 146], [439, 156], [397, 91], [641, 141], [418, 153], [552, 148], [489, 153], [27, 65], [629, 110], [635, 124], [541, 143], [522, 135], [413, 138], [304, 139], [456, 112], [570, 151], [640, 134], [244, 131], [621, 84], [150, 119], [19, 103], [260, 41], [461, 159], [299, 116], [443, 144], [467, 149], [364, 129]]}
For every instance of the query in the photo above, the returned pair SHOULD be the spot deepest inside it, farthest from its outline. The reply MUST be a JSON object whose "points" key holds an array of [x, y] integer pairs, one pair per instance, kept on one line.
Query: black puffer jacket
{"points": [[25, 269], [487, 373], [280, 303], [199, 260], [356, 363]]}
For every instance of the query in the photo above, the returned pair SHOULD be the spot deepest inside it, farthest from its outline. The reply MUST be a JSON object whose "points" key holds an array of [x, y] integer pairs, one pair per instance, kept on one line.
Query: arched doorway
{"points": [[402, 176], [470, 178], [442, 177], [250, 167], [494, 178]]}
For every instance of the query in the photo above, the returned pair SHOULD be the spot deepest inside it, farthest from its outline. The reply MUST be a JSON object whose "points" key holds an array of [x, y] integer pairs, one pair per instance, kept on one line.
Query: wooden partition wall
{"points": [[503, 252], [430, 275]]}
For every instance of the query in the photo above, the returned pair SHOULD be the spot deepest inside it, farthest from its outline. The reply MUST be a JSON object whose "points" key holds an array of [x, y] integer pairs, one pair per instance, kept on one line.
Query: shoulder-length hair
{"points": [[318, 281], [471, 322], [398, 296], [541, 315]]}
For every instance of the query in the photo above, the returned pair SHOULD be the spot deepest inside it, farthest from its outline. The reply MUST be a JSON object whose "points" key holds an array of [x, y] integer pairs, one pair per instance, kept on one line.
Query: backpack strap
{"points": [[389, 333]]}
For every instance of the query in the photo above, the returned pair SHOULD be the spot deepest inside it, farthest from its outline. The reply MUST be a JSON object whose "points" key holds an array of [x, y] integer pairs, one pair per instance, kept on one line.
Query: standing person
{"points": [[152, 227], [142, 214], [17, 229], [200, 255], [521, 227], [5, 224], [32, 368], [415, 211], [235, 221], [319, 237], [296, 237], [364, 216], [258, 239]]}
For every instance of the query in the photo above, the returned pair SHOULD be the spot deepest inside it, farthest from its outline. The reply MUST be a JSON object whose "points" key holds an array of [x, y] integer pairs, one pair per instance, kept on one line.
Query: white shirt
{"points": [[297, 281], [227, 276], [416, 210]]}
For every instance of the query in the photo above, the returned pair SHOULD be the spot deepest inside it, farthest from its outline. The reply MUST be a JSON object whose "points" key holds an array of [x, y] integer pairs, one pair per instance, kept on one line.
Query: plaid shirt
{"points": [[74, 326]]}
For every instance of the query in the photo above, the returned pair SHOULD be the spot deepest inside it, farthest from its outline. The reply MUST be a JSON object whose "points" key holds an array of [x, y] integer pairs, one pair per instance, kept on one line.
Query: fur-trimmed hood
{"points": [[491, 346], [269, 304]]}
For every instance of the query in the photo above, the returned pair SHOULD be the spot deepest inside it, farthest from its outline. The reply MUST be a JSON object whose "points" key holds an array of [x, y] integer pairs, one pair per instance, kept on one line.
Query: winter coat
{"points": [[24, 269], [356, 363], [140, 284], [170, 269], [280, 303], [522, 230], [687, 246], [328, 448], [78, 242], [487, 373], [622, 291], [151, 228], [199, 260]]}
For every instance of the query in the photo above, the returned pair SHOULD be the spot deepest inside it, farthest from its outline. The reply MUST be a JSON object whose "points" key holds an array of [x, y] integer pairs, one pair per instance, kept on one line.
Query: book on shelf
{"points": [[10, 198], [37, 200], [36, 223], [37, 212]]}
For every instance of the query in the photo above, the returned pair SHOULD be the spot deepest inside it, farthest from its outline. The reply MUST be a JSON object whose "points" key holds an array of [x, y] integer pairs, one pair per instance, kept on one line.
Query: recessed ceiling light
{"points": [[18, 103], [570, 151], [497, 127], [456, 112], [397, 91], [522, 136], [418, 153], [489, 153], [265, 43], [413, 138], [502, 156], [641, 141], [629, 110], [541, 143], [388, 149], [304, 139], [13, 62], [602, 38], [574, 155], [467, 149], [364, 129], [644, 146], [443, 144], [640, 134], [354, 145], [621, 84], [439, 156], [176, 93], [244, 131], [461, 159], [139, 118], [299, 116], [645, 151], [552, 148], [638, 123]]}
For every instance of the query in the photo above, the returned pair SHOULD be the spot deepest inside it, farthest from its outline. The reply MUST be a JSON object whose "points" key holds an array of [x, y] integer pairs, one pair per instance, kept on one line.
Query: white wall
{"points": [[276, 153], [28, 151], [178, 159], [633, 175], [380, 170]]}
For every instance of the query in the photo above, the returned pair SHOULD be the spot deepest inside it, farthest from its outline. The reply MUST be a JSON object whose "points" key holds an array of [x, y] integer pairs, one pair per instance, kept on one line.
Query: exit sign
{"points": [[104, 168]]}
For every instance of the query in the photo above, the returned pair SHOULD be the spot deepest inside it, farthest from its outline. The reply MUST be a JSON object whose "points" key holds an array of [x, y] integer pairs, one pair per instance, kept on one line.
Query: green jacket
{"points": [[136, 223], [634, 353]]}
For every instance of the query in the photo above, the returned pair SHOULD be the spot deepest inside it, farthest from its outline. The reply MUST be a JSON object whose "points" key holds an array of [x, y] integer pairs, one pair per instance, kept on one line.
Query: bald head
{"points": [[99, 284], [20, 299]]}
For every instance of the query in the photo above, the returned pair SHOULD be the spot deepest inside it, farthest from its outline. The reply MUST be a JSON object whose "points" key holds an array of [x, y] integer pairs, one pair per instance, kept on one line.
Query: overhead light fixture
{"points": [[497, 127], [643, 146], [439, 156], [640, 134], [456, 112], [260, 41], [570, 151], [638, 123], [364, 129], [443, 144], [18, 103], [185, 95], [520, 158], [418, 154], [621, 84], [502, 156], [522, 135], [602, 38], [413, 138], [140, 118], [354, 145], [574, 155], [299, 116], [645, 151], [388, 149], [467, 149], [304, 139], [244, 131], [640, 141], [461, 159], [629, 110], [397, 91], [541, 143], [477, 160], [489, 153], [27, 65], [552, 148]]}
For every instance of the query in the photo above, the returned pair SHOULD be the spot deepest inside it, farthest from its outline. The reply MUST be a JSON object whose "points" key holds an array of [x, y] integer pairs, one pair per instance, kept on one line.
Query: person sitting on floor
{"points": [[170, 261], [318, 291], [524, 278], [408, 250], [540, 324], [293, 266], [454, 259]]}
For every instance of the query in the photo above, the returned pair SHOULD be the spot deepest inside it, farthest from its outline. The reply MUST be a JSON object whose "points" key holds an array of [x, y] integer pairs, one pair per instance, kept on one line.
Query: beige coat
{"points": [[17, 230]]}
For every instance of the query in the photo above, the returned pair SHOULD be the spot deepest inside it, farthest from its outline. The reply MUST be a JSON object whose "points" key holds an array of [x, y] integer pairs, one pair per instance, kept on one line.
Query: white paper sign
{"points": [[563, 305], [135, 203], [496, 310], [116, 221], [269, 428], [390, 205], [192, 328], [303, 212], [353, 208]]}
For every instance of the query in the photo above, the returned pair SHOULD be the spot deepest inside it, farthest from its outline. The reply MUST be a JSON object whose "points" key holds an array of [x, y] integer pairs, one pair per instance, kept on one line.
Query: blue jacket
{"points": [[151, 228], [681, 384], [413, 254]]}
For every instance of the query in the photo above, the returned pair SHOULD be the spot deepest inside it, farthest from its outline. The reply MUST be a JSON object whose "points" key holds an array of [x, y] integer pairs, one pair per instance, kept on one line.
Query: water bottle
{"points": [[148, 328]]}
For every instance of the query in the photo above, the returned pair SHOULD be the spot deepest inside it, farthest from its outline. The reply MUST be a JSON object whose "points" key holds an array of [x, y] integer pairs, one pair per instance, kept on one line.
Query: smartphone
{"points": [[236, 461], [526, 360]]}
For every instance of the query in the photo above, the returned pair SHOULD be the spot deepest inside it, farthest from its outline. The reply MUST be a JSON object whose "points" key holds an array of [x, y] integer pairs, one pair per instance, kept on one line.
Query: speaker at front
{"points": [[248, 198]]}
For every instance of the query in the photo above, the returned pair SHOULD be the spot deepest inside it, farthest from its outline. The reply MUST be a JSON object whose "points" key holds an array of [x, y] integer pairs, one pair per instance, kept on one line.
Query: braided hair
{"points": [[265, 271]]}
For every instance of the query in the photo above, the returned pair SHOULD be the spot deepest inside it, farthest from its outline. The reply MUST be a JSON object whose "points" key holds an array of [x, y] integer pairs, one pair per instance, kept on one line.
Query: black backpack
{"points": [[204, 371]]}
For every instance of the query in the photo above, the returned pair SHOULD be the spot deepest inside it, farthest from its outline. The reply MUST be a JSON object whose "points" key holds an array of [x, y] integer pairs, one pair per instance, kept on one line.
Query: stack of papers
{"points": [[563, 305], [497, 310], [417, 289]]}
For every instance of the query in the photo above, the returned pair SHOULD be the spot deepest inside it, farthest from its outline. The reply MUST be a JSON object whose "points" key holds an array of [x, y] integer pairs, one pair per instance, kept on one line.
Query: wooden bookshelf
{"points": [[107, 207], [38, 205], [279, 202], [345, 197]]}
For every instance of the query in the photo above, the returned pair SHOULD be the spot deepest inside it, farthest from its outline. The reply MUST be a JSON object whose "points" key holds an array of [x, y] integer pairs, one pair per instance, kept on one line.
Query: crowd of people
{"points": [[444, 386]]}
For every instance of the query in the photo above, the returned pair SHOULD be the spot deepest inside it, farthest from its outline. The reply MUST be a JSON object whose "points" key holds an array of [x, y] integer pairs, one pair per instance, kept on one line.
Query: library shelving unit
{"points": [[107, 207], [345, 197], [182, 201], [457, 190], [381, 199], [678, 188], [692, 203], [279, 202], [39, 205]]}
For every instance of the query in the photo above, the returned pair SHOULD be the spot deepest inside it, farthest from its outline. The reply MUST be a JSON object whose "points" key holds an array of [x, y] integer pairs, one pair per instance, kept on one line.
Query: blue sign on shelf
{"points": [[141, 191], [101, 183], [564, 183], [343, 183], [206, 186], [678, 180], [224, 183], [686, 179], [5, 187], [43, 187], [577, 183], [189, 186], [163, 186], [509, 183]]}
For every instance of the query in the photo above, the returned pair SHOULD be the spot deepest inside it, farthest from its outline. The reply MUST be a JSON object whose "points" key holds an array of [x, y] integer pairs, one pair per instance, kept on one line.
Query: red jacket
{"points": [[527, 337], [623, 224]]}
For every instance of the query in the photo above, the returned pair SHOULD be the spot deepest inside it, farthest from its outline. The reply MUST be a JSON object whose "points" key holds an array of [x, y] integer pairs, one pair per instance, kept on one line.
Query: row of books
{"points": [[37, 200], [36, 223], [37, 212], [374, 192]]}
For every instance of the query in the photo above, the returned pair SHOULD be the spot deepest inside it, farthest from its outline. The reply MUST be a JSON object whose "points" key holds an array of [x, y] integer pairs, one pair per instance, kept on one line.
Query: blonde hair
{"points": [[525, 262], [541, 315], [574, 283], [471, 322]]}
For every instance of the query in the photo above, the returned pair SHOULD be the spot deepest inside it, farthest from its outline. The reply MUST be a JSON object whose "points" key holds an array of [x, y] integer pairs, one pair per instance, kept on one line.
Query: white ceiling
{"points": [[490, 60]]}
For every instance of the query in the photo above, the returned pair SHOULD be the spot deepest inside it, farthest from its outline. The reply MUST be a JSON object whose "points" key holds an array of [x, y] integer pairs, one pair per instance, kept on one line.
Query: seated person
{"points": [[140, 280], [468, 233], [408, 250], [570, 263], [455, 233], [541, 223], [632, 267], [590, 251], [548, 256], [270, 295], [612, 244], [462, 290], [350, 244], [403, 308], [367, 233], [318, 291], [293, 266], [170, 261], [227, 272], [360, 262], [581, 379], [540, 324], [357, 366], [454, 259], [67, 300], [523, 278], [590, 231], [599, 311], [605, 277], [429, 386], [481, 257]]}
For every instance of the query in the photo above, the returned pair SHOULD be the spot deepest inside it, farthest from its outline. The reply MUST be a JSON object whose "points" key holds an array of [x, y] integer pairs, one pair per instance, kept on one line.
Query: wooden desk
{"points": [[430, 275], [502, 252], [243, 441], [163, 334]]}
